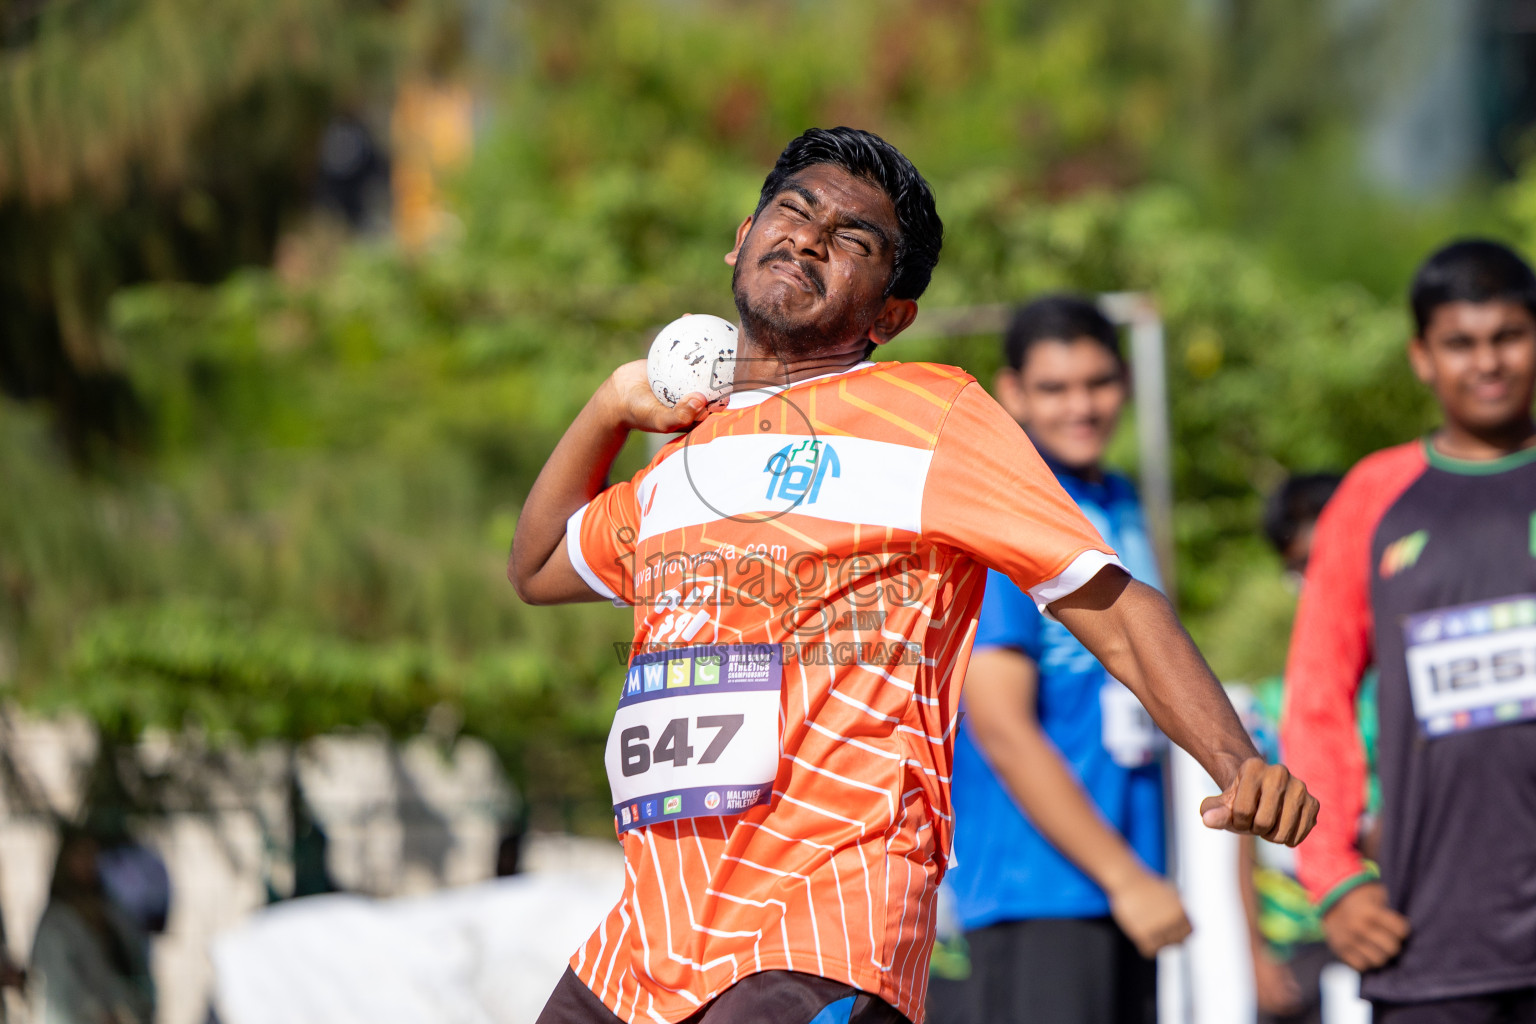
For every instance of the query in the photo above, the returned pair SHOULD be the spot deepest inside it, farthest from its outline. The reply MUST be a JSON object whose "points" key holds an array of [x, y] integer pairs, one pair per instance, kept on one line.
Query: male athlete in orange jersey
{"points": [[806, 565]]}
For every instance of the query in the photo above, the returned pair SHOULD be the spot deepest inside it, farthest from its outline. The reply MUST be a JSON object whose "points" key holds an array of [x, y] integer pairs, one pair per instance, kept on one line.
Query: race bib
{"points": [[696, 733], [1129, 734], [1474, 665]]}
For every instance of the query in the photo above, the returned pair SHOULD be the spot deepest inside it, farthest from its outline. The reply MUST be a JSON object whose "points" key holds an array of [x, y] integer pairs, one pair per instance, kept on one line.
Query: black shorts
{"points": [[1059, 971], [1515, 1007], [771, 997]]}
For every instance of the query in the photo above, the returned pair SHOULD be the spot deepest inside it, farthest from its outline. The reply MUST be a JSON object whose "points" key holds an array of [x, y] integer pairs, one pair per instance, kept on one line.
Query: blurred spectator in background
{"points": [[432, 134], [136, 881], [1290, 515], [509, 848], [1424, 564], [352, 176], [1285, 928], [1062, 909], [90, 960]]}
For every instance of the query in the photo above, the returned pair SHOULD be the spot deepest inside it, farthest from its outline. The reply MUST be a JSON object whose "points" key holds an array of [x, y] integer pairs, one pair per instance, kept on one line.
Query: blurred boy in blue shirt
{"points": [[1062, 909]]}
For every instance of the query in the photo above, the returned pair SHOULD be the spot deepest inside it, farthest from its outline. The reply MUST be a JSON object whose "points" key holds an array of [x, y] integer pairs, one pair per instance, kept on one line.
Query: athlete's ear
{"points": [[741, 236], [1008, 389], [895, 316], [1419, 359]]}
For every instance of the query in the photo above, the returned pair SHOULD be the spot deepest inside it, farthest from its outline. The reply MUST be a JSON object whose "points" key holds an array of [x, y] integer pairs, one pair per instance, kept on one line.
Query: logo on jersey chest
{"points": [[1403, 553], [755, 479], [797, 471]]}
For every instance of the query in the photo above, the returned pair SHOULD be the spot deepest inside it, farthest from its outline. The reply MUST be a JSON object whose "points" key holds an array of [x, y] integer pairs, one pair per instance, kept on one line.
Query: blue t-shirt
{"points": [[1005, 870]]}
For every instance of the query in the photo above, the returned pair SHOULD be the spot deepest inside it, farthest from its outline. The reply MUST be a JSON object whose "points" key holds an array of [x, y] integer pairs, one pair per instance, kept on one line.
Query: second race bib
{"points": [[1474, 665], [1129, 734], [696, 733]]}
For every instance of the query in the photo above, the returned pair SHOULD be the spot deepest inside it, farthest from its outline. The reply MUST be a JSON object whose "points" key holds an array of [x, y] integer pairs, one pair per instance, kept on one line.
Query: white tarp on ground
{"points": [[491, 953], [481, 954]]}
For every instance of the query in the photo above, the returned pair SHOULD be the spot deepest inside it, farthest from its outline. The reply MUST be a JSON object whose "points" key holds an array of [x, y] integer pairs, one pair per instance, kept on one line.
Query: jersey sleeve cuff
{"points": [[1331, 898], [1082, 569], [579, 561]]}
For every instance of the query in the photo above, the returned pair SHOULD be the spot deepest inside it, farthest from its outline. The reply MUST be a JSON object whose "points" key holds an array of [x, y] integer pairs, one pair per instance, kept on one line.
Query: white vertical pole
{"points": [[1216, 969], [1149, 387], [1184, 974]]}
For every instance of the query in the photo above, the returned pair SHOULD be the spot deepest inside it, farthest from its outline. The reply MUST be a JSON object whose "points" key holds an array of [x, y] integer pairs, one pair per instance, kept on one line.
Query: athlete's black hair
{"points": [[868, 156], [1058, 318], [1471, 270], [1295, 503]]}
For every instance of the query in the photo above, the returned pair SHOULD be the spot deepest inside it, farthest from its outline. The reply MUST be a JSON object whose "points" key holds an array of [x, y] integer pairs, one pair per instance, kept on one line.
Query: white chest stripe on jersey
{"points": [[755, 476]]}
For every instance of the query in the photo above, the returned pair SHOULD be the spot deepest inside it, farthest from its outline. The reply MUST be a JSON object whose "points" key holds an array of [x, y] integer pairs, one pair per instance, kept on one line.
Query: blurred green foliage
{"points": [[161, 140], [311, 535]]}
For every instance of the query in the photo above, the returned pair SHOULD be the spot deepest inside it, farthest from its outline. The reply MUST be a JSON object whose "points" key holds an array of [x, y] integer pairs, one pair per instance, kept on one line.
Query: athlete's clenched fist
{"points": [[1265, 800]]}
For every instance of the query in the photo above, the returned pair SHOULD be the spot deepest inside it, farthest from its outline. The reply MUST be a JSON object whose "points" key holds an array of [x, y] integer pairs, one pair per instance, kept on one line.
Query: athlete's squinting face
{"points": [[1068, 396], [1479, 358], [811, 269]]}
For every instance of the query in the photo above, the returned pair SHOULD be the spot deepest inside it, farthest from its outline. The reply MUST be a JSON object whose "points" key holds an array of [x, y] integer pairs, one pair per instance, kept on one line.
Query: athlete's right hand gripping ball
{"points": [[693, 354], [1264, 800]]}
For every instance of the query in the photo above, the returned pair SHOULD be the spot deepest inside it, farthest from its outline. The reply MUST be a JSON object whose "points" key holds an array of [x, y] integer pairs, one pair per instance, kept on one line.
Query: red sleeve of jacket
{"points": [[1330, 650]]}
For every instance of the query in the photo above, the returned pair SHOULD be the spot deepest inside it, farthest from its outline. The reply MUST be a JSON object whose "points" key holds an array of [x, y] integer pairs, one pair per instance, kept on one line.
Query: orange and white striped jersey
{"points": [[845, 523]]}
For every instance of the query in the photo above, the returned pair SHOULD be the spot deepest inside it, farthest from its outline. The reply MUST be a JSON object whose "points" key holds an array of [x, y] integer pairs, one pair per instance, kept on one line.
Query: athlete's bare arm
{"points": [[1135, 634], [1000, 698], [539, 565]]}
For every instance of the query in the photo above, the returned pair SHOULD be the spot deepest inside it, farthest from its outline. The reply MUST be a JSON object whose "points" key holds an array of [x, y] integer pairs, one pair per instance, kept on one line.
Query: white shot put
{"points": [[692, 353]]}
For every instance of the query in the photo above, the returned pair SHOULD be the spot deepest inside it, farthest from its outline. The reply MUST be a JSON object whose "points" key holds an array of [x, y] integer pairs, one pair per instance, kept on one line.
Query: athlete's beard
{"points": [[784, 338]]}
